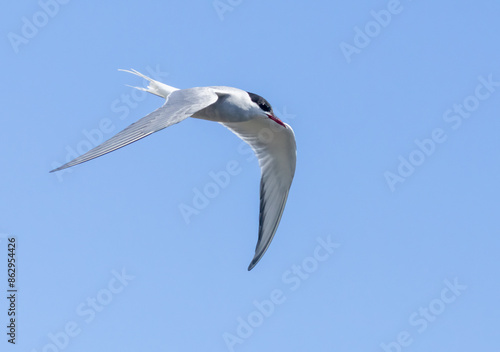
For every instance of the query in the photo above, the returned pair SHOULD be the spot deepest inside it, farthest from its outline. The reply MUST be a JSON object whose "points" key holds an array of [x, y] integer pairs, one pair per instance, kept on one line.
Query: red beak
{"points": [[275, 119]]}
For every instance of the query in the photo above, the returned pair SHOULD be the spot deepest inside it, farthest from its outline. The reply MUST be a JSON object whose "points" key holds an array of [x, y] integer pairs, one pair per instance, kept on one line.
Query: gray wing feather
{"points": [[276, 150], [179, 105]]}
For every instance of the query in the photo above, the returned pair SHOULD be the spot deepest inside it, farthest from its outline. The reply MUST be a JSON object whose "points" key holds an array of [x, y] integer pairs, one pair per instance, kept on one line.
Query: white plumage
{"points": [[248, 115]]}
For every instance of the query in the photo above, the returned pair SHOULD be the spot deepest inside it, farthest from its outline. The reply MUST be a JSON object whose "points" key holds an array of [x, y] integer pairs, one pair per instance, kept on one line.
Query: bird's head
{"points": [[264, 108]]}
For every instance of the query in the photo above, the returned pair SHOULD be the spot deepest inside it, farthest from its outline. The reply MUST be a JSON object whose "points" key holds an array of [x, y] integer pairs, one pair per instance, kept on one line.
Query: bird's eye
{"points": [[265, 107]]}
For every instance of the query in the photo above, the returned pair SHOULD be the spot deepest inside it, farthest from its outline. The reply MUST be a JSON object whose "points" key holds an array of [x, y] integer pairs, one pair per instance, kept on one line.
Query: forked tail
{"points": [[154, 87]]}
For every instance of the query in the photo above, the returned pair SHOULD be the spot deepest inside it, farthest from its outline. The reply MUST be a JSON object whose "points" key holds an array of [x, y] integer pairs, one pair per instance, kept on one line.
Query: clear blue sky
{"points": [[390, 237]]}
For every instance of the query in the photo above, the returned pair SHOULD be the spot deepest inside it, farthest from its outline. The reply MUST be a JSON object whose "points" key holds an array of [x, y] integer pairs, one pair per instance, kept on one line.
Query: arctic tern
{"points": [[248, 115]]}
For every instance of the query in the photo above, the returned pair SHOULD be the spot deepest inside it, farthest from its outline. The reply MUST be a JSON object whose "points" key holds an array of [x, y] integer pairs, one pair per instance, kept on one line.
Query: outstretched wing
{"points": [[179, 105], [275, 148]]}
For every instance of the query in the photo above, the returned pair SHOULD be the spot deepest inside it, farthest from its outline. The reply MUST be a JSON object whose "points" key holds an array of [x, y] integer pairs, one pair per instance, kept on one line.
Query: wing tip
{"points": [[254, 261], [62, 167], [56, 169]]}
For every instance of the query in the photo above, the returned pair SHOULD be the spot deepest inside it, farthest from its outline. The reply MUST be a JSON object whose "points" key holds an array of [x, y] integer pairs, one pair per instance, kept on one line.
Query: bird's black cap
{"points": [[261, 102]]}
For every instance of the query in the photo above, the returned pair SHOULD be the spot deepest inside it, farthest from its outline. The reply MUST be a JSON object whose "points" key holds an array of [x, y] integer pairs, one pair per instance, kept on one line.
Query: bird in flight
{"points": [[248, 115]]}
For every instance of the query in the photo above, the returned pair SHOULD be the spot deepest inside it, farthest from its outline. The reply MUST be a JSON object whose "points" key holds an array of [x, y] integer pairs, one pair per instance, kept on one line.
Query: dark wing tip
{"points": [[62, 167], [255, 260]]}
